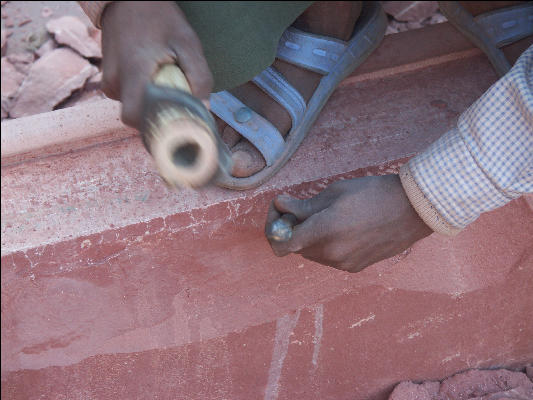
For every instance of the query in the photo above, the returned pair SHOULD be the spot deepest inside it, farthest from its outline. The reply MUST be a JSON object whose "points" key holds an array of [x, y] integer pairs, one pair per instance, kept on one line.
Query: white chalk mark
{"points": [[449, 358], [284, 327], [361, 322], [317, 338], [413, 335]]}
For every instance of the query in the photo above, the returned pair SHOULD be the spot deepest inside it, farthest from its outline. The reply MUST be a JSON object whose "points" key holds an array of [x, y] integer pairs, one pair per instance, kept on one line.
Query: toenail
{"points": [[242, 115]]}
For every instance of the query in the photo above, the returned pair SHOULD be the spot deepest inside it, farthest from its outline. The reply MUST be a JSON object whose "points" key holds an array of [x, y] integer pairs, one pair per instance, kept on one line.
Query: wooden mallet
{"points": [[180, 133]]}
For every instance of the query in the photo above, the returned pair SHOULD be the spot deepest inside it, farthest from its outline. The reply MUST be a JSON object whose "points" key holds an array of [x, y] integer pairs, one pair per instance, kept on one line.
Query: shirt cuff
{"points": [[94, 10], [427, 212]]}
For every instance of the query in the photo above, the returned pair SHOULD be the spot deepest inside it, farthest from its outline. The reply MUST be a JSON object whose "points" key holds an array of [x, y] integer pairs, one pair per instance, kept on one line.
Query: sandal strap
{"points": [[261, 133], [312, 52], [276, 86], [507, 25]]}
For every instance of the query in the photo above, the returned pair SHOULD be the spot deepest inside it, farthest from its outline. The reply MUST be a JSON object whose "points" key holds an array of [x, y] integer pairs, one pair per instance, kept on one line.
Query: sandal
{"points": [[492, 30], [333, 58]]}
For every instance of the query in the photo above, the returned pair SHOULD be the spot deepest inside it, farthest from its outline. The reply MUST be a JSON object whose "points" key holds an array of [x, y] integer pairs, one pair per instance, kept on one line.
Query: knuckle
{"points": [[128, 116], [334, 253], [201, 80], [109, 92], [109, 86], [295, 246]]}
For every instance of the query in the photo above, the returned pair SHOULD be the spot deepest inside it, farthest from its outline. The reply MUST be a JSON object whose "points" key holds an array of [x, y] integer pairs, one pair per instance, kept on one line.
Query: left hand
{"points": [[351, 224]]}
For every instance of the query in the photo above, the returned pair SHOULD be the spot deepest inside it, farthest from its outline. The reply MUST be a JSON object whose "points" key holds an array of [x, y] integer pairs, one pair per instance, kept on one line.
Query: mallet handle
{"points": [[183, 146]]}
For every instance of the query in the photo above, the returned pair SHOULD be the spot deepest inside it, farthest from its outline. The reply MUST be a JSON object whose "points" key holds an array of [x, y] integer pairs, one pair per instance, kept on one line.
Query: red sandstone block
{"points": [[115, 287]]}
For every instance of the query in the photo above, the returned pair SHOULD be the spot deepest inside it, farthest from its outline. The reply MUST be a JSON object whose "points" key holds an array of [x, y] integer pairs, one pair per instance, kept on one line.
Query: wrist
{"points": [[423, 207]]}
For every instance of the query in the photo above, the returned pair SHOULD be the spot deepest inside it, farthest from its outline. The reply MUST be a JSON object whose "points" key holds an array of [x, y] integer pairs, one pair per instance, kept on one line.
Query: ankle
{"points": [[330, 18]]}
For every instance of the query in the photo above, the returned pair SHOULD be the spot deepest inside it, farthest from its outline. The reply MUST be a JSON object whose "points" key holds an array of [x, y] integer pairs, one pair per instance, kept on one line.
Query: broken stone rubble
{"points": [[51, 79], [410, 11], [72, 32], [11, 81], [21, 61], [473, 385], [46, 47], [61, 80]]}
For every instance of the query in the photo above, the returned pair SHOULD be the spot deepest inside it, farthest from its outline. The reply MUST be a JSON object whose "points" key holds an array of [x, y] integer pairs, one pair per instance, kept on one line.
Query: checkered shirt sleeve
{"points": [[482, 164]]}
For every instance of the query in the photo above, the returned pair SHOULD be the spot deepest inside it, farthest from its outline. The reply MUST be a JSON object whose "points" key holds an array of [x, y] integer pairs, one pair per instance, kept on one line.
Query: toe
{"points": [[246, 160], [230, 136]]}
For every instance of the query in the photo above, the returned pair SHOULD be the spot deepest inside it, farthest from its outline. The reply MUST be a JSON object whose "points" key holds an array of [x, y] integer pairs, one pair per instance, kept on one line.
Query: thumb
{"points": [[301, 209]]}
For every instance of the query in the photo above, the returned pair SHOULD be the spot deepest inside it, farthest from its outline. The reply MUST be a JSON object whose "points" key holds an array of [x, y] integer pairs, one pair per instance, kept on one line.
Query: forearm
{"points": [[482, 164]]}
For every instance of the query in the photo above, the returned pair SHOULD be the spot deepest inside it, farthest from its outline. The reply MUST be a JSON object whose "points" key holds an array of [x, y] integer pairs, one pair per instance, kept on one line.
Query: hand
{"points": [[351, 224], [137, 39]]}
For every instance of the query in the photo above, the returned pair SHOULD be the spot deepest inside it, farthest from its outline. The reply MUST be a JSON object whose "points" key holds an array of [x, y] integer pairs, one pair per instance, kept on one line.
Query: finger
{"points": [[110, 85], [191, 60], [133, 80], [190, 57], [110, 76], [302, 209], [272, 214], [131, 97], [303, 235]]}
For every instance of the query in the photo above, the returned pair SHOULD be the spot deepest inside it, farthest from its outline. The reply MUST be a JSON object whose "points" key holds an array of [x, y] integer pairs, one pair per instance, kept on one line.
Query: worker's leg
{"points": [[502, 29], [246, 46], [240, 38]]}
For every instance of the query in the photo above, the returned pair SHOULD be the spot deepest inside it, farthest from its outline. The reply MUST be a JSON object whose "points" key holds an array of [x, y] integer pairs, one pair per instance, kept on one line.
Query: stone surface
{"points": [[474, 384], [196, 306], [410, 11], [114, 287], [52, 79], [82, 97], [74, 33]]}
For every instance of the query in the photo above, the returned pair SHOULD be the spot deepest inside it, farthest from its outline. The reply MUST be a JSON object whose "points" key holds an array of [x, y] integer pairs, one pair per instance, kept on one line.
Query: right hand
{"points": [[140, 37], [351, 224]]}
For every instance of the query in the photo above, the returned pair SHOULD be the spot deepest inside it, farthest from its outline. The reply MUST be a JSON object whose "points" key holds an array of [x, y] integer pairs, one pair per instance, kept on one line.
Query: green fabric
{"points": [[240, 38]]}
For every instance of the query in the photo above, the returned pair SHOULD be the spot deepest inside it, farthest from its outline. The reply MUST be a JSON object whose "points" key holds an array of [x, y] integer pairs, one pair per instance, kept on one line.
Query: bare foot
{"points": [[334, 19]]}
